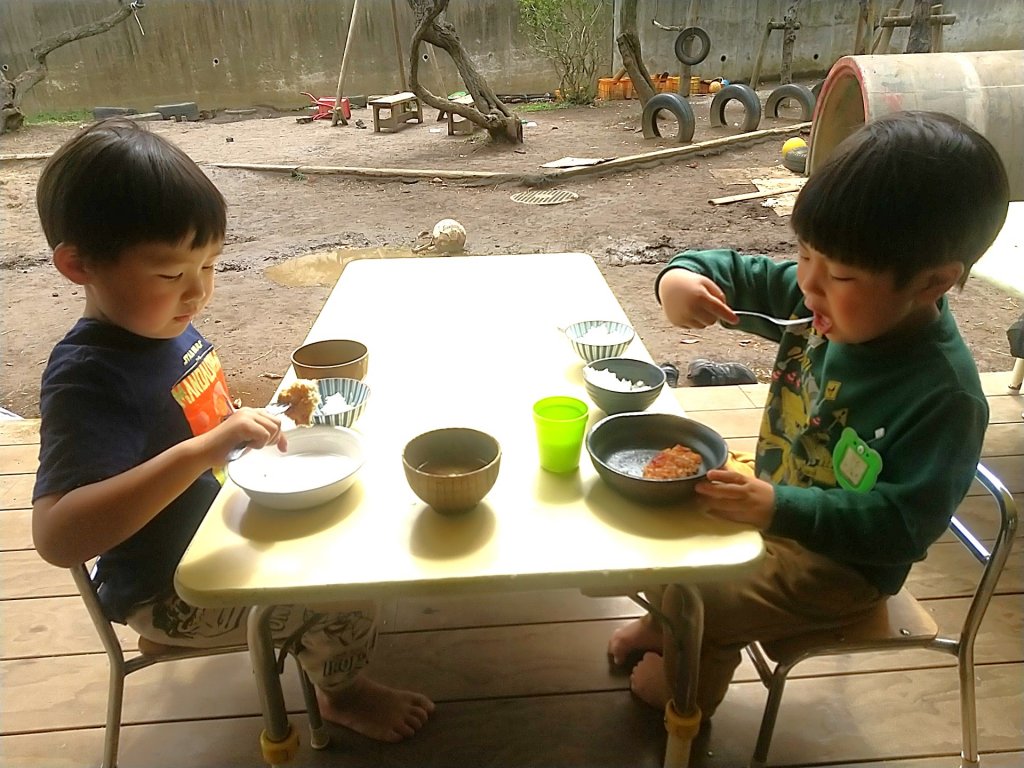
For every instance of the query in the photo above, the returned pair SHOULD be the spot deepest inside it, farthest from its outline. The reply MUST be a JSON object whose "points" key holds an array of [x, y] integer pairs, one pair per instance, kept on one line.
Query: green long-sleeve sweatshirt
{"points": [[916, 399]]}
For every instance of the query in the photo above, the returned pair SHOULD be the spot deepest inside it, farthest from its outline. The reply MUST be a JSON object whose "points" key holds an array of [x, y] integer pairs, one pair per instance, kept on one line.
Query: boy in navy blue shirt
{"points": [[136, 414]]}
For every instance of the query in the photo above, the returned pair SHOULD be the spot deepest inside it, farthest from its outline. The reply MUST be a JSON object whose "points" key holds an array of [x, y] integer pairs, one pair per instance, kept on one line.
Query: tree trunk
{"points": [[632, 56], [487, 109], [920, 39], [13, 91], [788, 40]]}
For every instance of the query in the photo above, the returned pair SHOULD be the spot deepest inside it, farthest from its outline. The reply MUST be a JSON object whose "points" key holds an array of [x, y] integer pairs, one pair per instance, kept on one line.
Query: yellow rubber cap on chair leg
{"points": [[680, 726], [278, 752]]}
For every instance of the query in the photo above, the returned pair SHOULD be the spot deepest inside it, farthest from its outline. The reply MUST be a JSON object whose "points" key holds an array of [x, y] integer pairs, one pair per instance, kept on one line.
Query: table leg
{"points": [[682, 614], [1018, 374], [279, 740]]}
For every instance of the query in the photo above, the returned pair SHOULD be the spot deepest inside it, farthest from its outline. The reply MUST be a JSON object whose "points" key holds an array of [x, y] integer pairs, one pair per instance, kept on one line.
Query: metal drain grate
{"points": [[544, 196]]}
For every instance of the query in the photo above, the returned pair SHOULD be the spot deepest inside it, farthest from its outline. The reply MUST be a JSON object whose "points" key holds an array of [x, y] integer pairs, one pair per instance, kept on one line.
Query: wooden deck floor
{"points": [[519, 679]]}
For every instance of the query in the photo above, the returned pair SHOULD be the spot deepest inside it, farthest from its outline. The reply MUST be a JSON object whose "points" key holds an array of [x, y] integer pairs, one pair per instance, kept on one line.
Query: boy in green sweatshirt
{"points": [[874, 420]]}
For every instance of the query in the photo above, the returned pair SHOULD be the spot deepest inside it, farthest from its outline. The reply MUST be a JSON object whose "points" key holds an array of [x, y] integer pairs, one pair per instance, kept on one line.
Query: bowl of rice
{"points": [[654, 458], [621, 384], [342, 401], [598, 339]]}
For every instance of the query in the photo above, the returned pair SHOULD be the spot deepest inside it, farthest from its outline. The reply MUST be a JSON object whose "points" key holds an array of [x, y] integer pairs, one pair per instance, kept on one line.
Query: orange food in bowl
{"points": [[673, 463]]}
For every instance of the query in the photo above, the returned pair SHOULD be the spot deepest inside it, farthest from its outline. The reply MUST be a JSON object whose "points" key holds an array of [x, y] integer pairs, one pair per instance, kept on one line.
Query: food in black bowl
{"points": [[624, 445]]}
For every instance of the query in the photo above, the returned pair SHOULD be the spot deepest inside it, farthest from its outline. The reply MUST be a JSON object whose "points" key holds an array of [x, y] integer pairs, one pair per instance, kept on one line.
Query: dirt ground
{"points": [[630, 223]]}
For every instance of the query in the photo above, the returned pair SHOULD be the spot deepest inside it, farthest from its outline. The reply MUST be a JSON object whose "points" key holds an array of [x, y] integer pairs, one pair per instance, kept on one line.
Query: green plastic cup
{"points": [[561, 423]]}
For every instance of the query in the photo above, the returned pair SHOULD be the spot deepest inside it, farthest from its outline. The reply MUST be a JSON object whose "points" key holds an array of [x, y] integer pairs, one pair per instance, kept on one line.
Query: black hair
{"points": [[115, 184], [904, 193]]}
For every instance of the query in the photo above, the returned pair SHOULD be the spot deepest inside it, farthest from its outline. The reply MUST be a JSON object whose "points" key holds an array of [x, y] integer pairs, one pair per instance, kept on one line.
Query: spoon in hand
{"points": [[777, 320], [239, 450]]}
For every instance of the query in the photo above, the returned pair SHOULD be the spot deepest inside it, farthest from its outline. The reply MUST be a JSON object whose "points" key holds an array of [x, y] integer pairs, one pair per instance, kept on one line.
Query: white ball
{"points": [[449, 236]]}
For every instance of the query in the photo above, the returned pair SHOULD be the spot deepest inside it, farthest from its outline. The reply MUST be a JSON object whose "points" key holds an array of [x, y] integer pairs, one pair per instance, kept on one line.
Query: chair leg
{"points": [[319, 738], [771, 713], [969, 757], [115, 698]]}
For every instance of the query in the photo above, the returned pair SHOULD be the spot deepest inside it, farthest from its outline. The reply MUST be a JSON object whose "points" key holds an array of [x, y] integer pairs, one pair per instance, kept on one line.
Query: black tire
{"points": [[801, 94], [684, 37], [796, 160], [816, 89], [680, 109], [746, 96]]}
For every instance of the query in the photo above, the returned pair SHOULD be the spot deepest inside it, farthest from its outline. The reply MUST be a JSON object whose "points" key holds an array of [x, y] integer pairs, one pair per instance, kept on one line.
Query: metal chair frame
{"points": [[121, 666], [960, 646]]}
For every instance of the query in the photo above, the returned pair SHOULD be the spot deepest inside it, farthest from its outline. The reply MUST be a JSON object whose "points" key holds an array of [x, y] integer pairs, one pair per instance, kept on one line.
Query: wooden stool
{"points": [[457, 123], [402, 108]]}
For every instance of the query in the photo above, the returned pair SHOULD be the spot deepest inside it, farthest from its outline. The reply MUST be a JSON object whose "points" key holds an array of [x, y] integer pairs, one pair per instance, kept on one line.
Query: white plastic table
{"points": [[461, 341]]}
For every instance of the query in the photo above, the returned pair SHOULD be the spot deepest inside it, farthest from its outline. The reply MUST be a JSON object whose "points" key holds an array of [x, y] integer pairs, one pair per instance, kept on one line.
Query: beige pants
{"points": [[332, 642], [792, 591]]}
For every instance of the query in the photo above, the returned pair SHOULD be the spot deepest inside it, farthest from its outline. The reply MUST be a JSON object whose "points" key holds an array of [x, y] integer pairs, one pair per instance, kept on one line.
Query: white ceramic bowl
{"points": [[321, 464]]}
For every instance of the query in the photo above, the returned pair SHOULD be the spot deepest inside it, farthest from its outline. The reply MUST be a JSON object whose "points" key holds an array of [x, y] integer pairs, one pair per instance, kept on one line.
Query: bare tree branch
{"points": [[487, 110], [629, 48], [13, 91]]}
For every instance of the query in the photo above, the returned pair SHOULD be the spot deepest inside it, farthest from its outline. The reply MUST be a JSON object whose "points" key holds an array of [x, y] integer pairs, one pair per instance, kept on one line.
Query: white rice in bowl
{"points": [[335, 404], [602, 336], [610, 381]]}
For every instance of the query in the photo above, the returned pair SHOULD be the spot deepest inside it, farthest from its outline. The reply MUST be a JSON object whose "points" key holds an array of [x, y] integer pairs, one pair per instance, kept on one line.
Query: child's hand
{"points": [[251, 426], [693, 301], [739, 497]]}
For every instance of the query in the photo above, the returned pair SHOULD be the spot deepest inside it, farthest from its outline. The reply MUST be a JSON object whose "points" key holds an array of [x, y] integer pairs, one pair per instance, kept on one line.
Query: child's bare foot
{"points": [[376, 711], [639, 636], [648, 681]]}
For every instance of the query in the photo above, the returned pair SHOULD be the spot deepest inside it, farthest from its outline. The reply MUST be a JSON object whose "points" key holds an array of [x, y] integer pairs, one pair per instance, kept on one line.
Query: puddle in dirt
{"points": [[324, 267]]}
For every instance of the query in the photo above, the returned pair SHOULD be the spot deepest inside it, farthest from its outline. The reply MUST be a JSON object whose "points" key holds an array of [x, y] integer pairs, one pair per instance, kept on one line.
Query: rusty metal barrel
{"points": [[985, 89]]}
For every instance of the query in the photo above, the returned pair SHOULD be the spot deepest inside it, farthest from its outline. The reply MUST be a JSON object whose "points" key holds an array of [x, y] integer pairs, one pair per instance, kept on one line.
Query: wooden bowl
{"points": [[452, 469], [331, 359]]}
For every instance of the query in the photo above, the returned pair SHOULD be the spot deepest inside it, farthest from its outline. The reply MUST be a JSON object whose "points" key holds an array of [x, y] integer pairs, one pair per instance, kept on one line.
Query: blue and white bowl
{"points": [[355, 392], [613, 338]]}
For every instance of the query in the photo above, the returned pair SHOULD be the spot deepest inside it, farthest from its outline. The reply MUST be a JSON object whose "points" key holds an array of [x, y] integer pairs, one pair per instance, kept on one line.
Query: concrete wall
{"points": [[239, 53], [828, 29]]}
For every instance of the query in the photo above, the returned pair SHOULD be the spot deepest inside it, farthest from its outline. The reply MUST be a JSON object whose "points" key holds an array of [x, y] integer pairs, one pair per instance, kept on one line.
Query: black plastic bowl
{"points": [[620, 446]]}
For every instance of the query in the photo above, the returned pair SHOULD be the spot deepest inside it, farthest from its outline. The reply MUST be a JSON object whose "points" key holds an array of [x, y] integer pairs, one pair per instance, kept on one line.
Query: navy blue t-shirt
{"points": [[110, 401]]}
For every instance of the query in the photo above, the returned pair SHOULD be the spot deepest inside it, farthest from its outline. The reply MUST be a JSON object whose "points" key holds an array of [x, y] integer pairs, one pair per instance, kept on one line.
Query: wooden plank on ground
{"points": [[997, 383], [733, 423], [612, 729], [53, 626], [15, 529], [16, 491], [23, 573], [951, 571], [19, 431], [1005, 409], [693, 399], [847, 719], [998, 641], [19, 459], [1004, 440], [1009, 470], [561, 605], [980, 514], [753, 195], [71, 691]]}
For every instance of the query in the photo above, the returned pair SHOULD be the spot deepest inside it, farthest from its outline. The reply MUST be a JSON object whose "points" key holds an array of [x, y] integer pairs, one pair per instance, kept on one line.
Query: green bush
{"points": [[571, 34]]}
